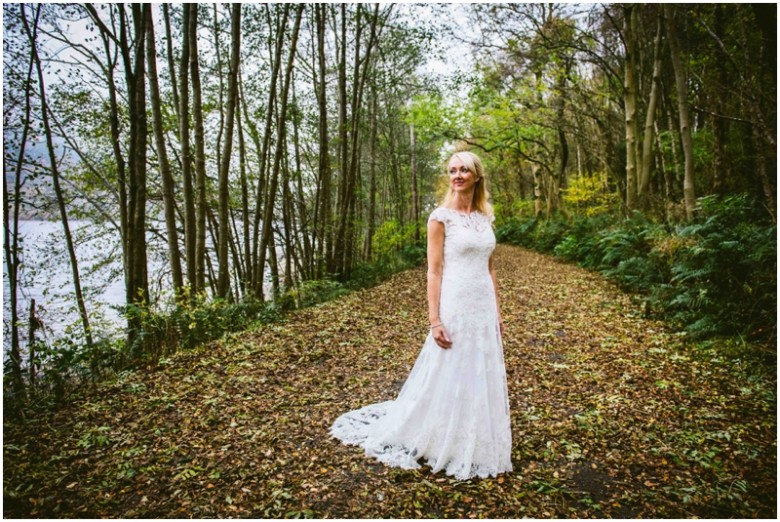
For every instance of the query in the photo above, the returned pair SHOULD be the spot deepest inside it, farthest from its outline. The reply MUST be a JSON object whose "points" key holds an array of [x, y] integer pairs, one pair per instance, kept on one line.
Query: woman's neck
{"points": [[463, 202]]}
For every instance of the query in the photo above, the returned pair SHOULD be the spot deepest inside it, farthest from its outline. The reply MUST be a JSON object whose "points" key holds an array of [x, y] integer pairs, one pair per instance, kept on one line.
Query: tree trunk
{"points": [[719, 125], [200, 155], [674, 172], [138, 289], [287, 221], [169, 55], [55, 173], [647, 145], [337, 257], [266, 239], [681, 81], [190, 229], [324, 218], [258, 250], [11, 241], [372, 176], [220, 93], [223, 283], [554, 199], [107, 36], [168, 185], [630, 102], [303, 231], [246, 282], [536, 170], [415, 196], [33, 324]]}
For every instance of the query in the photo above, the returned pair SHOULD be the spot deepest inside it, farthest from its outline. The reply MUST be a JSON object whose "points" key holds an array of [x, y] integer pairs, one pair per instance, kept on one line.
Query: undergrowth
{"points": [[715, 275]]}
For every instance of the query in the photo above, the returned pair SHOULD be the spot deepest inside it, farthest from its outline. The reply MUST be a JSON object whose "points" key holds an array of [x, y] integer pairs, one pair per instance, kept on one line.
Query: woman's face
{"points": [[462, 180]]}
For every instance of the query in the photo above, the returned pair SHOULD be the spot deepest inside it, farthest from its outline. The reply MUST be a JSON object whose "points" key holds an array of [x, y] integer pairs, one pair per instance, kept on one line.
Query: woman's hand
{"points": [[441, 337]]}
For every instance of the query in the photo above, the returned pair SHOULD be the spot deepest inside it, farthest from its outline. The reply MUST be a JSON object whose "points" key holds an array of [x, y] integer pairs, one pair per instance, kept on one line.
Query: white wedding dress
{"points": [[453, 410]]}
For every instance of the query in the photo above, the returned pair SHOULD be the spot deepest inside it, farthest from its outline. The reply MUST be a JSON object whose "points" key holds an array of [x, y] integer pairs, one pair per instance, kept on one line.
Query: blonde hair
{"points": [[481, 193]]}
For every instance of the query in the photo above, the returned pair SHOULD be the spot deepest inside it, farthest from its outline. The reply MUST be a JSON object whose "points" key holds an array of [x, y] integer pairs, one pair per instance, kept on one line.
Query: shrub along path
{"points": [[612, 416]]}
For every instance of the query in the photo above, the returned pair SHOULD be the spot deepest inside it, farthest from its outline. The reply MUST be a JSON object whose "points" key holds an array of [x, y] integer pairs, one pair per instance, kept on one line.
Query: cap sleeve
{"points": [[439, 215]]}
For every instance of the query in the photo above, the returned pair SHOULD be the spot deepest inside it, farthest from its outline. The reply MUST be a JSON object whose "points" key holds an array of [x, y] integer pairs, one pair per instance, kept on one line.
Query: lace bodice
{"points": [[469, 242]]}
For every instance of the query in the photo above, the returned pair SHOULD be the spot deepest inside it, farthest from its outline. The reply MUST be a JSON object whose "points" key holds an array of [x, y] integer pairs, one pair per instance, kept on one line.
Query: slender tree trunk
{"points": [[337, 258], [554, 200], [234, 240], [681, 81], [200, 154], [33, 324], [190, 229], [11, 234], [266, 240], [55, 173], [107, 36], [415, 196], [303, 231], [245, 221], [764, 139], [630, 101], [372, 176], [168, 185], [674, 172], [287, 221], [647, 145], [258, 250], [536, 170], [325, 236], [223, 283], [169, 55], [11, 246], [220, 91], [138, 290]]}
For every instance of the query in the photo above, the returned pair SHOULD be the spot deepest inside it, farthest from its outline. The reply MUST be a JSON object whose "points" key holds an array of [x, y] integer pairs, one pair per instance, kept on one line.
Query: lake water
{"points": [[46, 276]]}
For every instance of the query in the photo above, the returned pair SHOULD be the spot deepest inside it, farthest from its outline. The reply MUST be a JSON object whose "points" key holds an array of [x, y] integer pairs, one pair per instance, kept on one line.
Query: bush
{"points": [[590, 195], [189, 324], [317, 291], [714, 275], [391, 238], [724, 274]]}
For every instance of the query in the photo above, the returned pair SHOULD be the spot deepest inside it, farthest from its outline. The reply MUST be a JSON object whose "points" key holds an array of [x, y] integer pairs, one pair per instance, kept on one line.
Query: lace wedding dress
{"points": [[453, 410]]}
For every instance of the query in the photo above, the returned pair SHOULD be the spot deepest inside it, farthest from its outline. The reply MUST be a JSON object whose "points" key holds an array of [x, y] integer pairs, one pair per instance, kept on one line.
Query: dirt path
{"points": [[611, 417]]}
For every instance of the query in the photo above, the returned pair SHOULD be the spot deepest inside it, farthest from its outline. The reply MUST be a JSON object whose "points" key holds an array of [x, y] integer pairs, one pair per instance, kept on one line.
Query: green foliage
{"points": [[391, 238], [191, 324], [516, 231], [724, 274], [590, 195], [716, 275], [309, 293], [369, 274]]}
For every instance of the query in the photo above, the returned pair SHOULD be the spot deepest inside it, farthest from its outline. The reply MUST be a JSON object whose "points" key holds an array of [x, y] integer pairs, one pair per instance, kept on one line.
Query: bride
{"points": [[453, 410]]}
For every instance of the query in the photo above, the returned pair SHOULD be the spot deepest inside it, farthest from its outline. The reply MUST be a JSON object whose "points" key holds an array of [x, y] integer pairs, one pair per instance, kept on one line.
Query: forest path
{"points": [[612, 416]]}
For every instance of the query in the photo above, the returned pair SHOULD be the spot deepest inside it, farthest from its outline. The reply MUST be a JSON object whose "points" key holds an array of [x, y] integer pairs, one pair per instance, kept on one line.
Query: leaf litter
{"points": [[612, 416]]}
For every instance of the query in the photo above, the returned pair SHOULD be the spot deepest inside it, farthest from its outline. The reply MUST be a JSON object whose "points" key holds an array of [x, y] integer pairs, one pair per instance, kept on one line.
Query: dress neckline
{"points": [[462, 213]]}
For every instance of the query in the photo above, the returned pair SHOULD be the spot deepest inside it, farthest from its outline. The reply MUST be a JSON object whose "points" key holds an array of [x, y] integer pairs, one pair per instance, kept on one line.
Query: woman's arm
{"points": [[492, 269], [435, 268]]}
